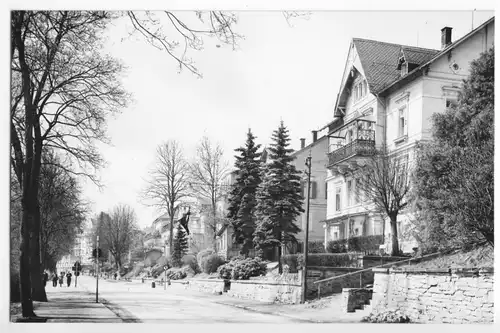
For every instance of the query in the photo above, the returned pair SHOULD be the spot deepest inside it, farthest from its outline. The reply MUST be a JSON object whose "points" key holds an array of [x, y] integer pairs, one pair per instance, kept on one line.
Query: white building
{"points": [[387, 97]]}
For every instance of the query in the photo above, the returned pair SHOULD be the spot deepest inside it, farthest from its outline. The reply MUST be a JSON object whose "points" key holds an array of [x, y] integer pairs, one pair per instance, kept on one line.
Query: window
{"points": [[337, 199], [326, 190], [451, 103], [313, 190], [349, 192], [357, 190], [402, 122]]}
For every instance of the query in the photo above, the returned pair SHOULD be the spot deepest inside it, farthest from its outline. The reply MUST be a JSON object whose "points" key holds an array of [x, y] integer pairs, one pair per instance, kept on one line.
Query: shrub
{"points": [[316, 247], [202, 254], [190, 260], [210, 263], [366, 244], [337, 246], [296, 261], [387, 317], [176, 273], [226, 271], [242, 269]]}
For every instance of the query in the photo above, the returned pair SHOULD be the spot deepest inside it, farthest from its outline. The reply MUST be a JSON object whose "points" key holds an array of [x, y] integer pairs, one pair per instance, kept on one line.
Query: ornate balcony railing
{"points": [[359, 147]]}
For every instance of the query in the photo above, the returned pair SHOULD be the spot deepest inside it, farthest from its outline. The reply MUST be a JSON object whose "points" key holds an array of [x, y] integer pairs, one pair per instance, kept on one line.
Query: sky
{"points": [[279, 72]]}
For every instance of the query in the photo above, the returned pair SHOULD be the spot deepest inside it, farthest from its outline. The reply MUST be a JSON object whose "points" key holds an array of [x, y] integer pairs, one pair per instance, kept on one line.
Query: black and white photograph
{"points": [[249, 166]]}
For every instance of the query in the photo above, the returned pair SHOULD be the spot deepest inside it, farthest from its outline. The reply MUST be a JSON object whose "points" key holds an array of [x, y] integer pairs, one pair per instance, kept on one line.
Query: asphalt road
{"points": [[137, 302]]}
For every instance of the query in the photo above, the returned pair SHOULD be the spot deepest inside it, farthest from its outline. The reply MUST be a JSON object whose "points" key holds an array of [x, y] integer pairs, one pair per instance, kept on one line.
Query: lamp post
{"points": [[306, 241], [97, 271]]}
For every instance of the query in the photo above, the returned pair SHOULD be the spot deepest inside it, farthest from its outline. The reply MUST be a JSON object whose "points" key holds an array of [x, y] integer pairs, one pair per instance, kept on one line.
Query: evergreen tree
{"points": [[242, 200], [180, 246], [454, 178], [279, 199]]}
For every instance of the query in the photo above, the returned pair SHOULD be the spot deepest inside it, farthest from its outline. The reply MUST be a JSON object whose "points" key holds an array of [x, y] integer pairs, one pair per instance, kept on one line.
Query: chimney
{"points": [[302, 143], [445, 37], [315, 136]]}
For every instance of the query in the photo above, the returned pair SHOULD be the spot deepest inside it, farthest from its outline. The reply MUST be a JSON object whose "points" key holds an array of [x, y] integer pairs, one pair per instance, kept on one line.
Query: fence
{"points": [[331, 279]]}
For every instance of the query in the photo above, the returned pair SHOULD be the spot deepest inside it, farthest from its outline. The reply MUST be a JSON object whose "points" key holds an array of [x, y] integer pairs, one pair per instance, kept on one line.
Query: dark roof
{"points": [[418, 56], [380, 60], [413, 73]]}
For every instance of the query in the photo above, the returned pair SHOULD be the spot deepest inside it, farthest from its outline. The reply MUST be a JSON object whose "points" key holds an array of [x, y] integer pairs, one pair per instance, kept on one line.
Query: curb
{"points": [[273, 313]]}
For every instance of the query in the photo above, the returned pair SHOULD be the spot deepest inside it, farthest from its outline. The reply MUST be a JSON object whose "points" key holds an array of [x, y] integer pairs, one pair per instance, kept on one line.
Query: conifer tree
{"points": [[279, 199], [242, 200], [180, 246]]}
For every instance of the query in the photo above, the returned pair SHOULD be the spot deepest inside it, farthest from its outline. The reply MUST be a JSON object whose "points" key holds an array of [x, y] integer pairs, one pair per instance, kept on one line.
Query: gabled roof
{"points": [[380, 60], [437, 55]]}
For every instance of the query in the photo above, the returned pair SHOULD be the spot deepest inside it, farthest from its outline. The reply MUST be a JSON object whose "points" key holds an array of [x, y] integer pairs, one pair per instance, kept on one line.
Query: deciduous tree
{"points": [[208, 175], [385, 184], [168, 182]]}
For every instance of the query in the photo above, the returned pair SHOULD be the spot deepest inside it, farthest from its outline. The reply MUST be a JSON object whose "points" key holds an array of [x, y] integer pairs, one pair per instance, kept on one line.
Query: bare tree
{"points": [[385, 184], [118, 230], [168, 181], [63, 90], [62, 212], [208, 174]]}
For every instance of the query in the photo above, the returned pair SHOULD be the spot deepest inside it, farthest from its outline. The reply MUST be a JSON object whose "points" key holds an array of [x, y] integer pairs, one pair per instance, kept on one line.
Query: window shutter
{"points": [[326, 190], [313, 190]]}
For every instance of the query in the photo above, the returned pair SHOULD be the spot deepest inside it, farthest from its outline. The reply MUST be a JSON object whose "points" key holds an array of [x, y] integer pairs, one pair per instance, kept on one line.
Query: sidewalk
{"points": [[73, 305]]}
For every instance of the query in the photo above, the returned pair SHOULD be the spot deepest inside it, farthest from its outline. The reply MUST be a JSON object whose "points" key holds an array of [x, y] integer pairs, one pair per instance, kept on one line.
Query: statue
{"points": [[185, 220]]}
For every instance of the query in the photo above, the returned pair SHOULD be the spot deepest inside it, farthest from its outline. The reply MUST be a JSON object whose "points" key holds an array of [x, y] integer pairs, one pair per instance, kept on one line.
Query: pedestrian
{"points": [[45, 278], [68, 278], [54, 280], [116, 275], [61, 279]]}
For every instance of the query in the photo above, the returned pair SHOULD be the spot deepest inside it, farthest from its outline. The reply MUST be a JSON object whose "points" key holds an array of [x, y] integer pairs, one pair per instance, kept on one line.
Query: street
{"points": [[137, 302]]}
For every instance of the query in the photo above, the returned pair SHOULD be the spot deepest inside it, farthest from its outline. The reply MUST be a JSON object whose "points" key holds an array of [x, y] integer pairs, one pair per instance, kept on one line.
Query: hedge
{"points": [[316, 247], [296, 261], [365, 244]]}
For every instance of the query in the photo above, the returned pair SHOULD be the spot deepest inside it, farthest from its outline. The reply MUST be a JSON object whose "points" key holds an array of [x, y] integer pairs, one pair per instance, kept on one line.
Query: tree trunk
{"points": [[24, 268], [394, 236], [35, 264], [280, 266], [171, 236]]}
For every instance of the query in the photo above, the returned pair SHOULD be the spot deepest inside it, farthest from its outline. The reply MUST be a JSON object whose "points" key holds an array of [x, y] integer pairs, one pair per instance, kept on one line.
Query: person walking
{"points": [[116, 275], [68, 278], [45, 278], [61, 279], [54, 279]]}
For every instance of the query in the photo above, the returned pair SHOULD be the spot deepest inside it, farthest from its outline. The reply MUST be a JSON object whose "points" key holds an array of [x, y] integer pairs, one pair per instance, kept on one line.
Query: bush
{"points": [[366, 244], [203, 254], [225, 271], [316, 247], [190, 260], [296, 261], [210, 263], [176, 273], [337, 246], [242, 269], [387, 317]]}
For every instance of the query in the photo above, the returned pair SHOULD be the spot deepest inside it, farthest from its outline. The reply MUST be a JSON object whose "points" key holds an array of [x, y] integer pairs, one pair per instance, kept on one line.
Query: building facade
{"points": [[387, 97]]}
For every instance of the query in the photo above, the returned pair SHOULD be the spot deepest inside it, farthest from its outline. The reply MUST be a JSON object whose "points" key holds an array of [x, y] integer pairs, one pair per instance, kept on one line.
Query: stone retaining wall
{"points": [[206, 285], [435, 295], [266, 291]]}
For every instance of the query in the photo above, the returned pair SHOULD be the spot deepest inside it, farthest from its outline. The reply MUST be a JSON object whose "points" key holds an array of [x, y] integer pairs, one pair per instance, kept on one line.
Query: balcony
{"points": [[360, 138]]}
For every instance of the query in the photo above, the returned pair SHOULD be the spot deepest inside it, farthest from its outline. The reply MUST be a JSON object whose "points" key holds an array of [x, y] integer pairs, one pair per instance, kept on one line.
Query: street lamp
{"points": [[306, 241]]}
